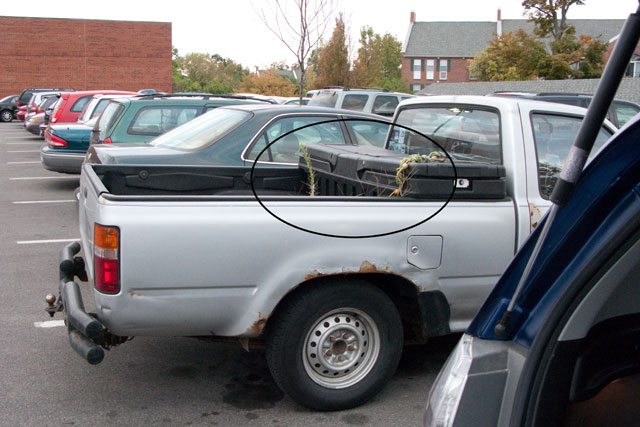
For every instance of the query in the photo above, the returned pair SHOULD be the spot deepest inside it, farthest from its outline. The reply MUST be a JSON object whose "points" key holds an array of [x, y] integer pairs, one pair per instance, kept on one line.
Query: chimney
{"points": [[499, 24], [412, 17]]}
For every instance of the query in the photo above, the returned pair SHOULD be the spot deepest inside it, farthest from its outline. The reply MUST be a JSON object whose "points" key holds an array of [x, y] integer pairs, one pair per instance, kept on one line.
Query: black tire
{"points": [[6, 115], [352, 320]]}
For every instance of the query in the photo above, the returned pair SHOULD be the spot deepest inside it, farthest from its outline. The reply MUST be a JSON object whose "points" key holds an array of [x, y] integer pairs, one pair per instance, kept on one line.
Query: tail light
{"points": [[106, 259], [107, 140], [57, 115], [53, 140], [34, 107]]}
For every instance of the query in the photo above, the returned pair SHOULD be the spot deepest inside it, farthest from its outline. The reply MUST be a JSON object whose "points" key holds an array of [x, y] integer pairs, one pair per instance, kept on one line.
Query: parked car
{"points": [[294, 100], [66, 143], [236, 135], [8, 108], [25, 95], [142, 118], [620, 112], [376, 101], [35, 103], [72, 103], [557, 342], [22, 111]]}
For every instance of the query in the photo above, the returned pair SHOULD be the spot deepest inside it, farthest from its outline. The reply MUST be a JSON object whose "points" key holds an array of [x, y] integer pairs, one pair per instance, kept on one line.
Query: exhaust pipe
{"points": [[85, 347]]}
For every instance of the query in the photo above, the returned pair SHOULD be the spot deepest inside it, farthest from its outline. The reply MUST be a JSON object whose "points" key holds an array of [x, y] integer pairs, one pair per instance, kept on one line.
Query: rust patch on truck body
{"points": [[257, 327], [535, 215]]}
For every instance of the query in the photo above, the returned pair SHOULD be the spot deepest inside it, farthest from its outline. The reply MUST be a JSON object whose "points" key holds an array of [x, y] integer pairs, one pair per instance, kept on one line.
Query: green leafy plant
{"points": [[402, 177], [312, 179]]}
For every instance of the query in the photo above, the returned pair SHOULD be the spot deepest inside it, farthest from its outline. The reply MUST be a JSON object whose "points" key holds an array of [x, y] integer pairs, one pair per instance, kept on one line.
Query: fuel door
{"points": [[424, 252]]}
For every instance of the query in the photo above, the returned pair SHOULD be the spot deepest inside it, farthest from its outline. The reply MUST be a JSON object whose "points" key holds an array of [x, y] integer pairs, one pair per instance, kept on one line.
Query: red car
{"points": [[72, 103], [22, 111]]}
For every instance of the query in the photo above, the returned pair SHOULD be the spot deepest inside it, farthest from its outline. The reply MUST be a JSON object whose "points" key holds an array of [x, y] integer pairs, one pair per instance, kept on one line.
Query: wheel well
{"points": [[402, 292]]}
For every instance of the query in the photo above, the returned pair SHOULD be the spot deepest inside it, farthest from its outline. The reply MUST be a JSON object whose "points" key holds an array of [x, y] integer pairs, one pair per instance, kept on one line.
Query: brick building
{"points": [[84, 54], [439, 52]]}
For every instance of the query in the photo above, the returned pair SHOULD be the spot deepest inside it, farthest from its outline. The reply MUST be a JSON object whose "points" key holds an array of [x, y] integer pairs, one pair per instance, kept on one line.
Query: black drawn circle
{"points": [[364, 236]]}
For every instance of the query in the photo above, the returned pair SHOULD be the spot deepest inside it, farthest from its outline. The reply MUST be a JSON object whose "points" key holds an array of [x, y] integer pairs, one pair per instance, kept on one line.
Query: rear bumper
{"points": [[61, 161], [86, 333]]}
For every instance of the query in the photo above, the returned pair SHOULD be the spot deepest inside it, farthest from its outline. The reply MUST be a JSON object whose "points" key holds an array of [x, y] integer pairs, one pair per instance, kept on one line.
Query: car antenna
{"points": [[573, 165]]}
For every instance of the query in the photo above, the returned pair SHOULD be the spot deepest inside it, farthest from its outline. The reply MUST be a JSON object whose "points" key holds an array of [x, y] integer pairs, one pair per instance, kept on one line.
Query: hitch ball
{"points": [[50, 299]]}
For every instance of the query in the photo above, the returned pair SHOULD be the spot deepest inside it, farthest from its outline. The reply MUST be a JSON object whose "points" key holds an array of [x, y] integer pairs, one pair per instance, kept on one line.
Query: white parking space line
{"points": [[23, 163], [43, 177], [24, 151], [49, 324], [34, 202], [36, 242]]}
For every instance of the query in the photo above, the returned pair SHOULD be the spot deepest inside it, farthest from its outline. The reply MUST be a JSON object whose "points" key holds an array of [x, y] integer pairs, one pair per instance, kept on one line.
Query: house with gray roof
{"points": [[439, 52]]}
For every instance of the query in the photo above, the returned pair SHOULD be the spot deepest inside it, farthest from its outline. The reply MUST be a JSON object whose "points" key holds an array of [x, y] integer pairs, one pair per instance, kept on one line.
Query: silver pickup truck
{"points": [[334, 312]]}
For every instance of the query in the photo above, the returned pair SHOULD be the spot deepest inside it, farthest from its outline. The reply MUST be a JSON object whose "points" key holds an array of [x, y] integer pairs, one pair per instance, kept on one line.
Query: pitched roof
{"points": [[628, 90], [466, 39]]}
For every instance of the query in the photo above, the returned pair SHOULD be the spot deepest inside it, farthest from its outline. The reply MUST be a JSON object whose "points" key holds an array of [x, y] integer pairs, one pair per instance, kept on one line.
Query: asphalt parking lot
{"points": [[148, 381]]}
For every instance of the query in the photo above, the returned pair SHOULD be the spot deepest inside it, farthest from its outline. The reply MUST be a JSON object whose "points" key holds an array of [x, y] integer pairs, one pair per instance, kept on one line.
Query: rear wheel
{"points": [[335, 345], [6, 115]]}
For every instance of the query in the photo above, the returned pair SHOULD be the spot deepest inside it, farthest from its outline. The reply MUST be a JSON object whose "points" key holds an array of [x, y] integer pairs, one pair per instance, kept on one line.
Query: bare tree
{"points": [[299, 25]]}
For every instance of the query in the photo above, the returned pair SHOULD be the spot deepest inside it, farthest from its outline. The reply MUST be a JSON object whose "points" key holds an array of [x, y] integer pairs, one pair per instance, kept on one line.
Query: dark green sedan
{"points": [[242, 134]]}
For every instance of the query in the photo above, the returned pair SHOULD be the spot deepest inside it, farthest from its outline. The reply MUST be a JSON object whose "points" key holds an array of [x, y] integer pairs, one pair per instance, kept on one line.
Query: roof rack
{"points": [[202, 95]]}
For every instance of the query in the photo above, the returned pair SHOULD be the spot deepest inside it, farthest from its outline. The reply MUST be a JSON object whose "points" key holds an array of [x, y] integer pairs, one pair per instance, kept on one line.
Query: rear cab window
{"points": [[467, 133], [554, 135], [155, 121]]}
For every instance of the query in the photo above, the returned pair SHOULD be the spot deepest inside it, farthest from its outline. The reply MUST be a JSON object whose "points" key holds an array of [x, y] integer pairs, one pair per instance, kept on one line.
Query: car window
{"points": [[466, 133], [79, 105], [108, 118], [102, 104], [354, 102], [324, 100], [554, 136], [203, 130], [287, 149], [158, 120], [624, 112], [368, 133], [25, 97], [49, 102], [385, 105]]}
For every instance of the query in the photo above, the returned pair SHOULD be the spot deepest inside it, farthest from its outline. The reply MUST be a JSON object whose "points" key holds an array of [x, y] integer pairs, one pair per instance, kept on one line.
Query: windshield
{"points": [[203, 130], [466, 133]]}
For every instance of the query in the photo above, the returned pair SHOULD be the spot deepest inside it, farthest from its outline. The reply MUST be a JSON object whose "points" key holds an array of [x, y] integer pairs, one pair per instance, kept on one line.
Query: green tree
{"points": [[571, 56], [269, 83], [201, 72], [513, 56], [333, 59], [549, 16], [378, 62]]}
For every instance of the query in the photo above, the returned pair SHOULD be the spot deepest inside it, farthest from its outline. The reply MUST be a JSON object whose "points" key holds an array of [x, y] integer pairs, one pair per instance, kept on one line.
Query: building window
{"points": [[430, 68], [633, 69], [416, 66], [444, 68], [416, 87]]}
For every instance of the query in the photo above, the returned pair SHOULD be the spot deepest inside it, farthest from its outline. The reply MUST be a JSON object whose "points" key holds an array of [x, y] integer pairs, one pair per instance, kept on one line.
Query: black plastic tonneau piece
{"points": [[577, 158]]}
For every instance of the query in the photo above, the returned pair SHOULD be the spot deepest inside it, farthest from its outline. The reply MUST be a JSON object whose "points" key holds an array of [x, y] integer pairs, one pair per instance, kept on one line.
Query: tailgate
{"points": [[90, 189]]}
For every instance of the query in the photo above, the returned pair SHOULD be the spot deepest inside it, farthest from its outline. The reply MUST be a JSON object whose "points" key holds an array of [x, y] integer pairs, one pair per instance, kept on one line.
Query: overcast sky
{"points": [[232, 28]]}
